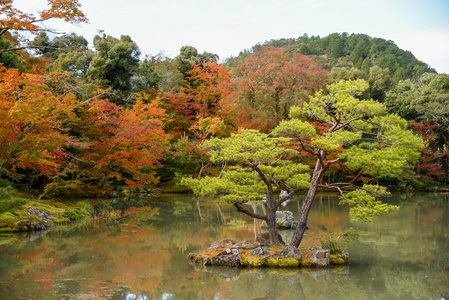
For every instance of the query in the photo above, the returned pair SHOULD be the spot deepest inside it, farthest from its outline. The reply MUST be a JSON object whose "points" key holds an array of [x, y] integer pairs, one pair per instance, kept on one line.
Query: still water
{"points": [[144, 254]]}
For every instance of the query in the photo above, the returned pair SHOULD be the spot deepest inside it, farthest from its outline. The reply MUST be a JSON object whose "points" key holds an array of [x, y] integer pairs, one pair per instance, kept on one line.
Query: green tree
{"points": [[147, 75], [43, 44], [75, 63], [379, 83], [254, 165], [336, 130], [337, 48], [339, 73], [70, 52], [426, 100], [115, 62], [10, 59], [72, 55], [340, 131], [189, 57]]}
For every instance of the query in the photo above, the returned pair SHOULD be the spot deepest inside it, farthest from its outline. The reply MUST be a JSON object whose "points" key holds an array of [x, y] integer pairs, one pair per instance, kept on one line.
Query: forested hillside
{"points": [[78, 113], [356, 50]]}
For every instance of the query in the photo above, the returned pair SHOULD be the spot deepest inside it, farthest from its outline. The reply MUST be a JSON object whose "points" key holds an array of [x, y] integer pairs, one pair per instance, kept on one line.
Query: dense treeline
{"points": [[356, 50], [76, 116]]}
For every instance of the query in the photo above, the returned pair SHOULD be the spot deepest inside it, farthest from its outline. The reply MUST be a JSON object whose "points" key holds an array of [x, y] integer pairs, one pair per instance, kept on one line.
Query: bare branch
{"points": [[357, 177], [79, 159], [4, 30], [223, 168], [337, 185], [337, 121], [240, 208], [277, 160], [314, 118], [261, 174], [341, 185], [30, 47], [347, 123], [284, 198], [342, 194], [377, 141], [62, 130], [29, 128], [305, 148], [335, 161]]}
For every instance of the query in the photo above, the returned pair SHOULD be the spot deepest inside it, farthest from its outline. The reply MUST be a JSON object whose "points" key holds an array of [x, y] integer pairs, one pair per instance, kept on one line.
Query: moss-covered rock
{"points": [[228, 258], [202, 259], [319, 257], [253, 261], [288, 262], [335, 260], [339, 259], [23, 225], [307, 263]]}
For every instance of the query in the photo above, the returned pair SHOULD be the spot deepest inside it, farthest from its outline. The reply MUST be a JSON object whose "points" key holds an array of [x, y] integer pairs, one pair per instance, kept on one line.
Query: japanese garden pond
{"points": [[143, 255]]}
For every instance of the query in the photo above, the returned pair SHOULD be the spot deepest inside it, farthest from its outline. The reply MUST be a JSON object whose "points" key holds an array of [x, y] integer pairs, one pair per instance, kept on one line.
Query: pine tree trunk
{"points": [[271, 222], [305, 208]]}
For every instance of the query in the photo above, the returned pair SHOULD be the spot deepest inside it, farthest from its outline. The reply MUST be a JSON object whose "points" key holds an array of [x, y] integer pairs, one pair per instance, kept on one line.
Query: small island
{"points": [[252, 254]]}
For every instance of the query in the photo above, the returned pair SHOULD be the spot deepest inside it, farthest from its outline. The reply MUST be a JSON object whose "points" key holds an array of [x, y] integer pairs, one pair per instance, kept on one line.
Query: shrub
{"points": [[338, 242], [85, 207], [73, 214]]}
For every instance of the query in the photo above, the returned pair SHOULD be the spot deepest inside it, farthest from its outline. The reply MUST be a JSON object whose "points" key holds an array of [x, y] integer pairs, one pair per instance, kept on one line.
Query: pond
{"points": [[144, 254]]}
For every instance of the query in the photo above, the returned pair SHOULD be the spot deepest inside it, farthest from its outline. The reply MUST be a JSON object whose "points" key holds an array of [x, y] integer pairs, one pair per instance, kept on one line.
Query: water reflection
{"points": [[143, 256]]}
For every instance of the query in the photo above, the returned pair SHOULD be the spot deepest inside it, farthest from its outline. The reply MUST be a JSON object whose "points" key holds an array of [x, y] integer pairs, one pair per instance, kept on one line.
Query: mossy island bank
{"points": [[253, 254]]}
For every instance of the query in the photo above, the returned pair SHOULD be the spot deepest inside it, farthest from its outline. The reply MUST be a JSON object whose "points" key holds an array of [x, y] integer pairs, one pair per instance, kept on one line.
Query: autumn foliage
{"points": [[124, 141], [33, 130], [268, 83], [47, 130], [68, 129], [430, 165], [201, 97], [14, 19]]}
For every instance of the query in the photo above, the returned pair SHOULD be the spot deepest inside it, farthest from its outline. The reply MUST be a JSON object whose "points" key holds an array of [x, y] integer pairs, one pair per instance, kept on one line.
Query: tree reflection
{"points": [[143, 256]]}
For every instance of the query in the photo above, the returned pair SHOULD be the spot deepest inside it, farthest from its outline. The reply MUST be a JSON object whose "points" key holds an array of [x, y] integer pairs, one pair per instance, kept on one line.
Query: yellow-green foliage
{"points": [[239, 182], [295, 125], [364, 205], [362, 136]]}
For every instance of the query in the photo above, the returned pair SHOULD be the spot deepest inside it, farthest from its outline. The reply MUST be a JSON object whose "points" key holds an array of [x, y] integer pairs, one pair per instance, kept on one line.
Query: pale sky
{"points": [[226, 27]]}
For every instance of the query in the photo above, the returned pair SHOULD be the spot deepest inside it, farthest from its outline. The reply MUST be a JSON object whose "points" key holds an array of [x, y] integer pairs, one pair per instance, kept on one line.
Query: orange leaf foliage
{"points": [[125, 141], [267, 83], [14, 19], [200, 98], [32, 131]]}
